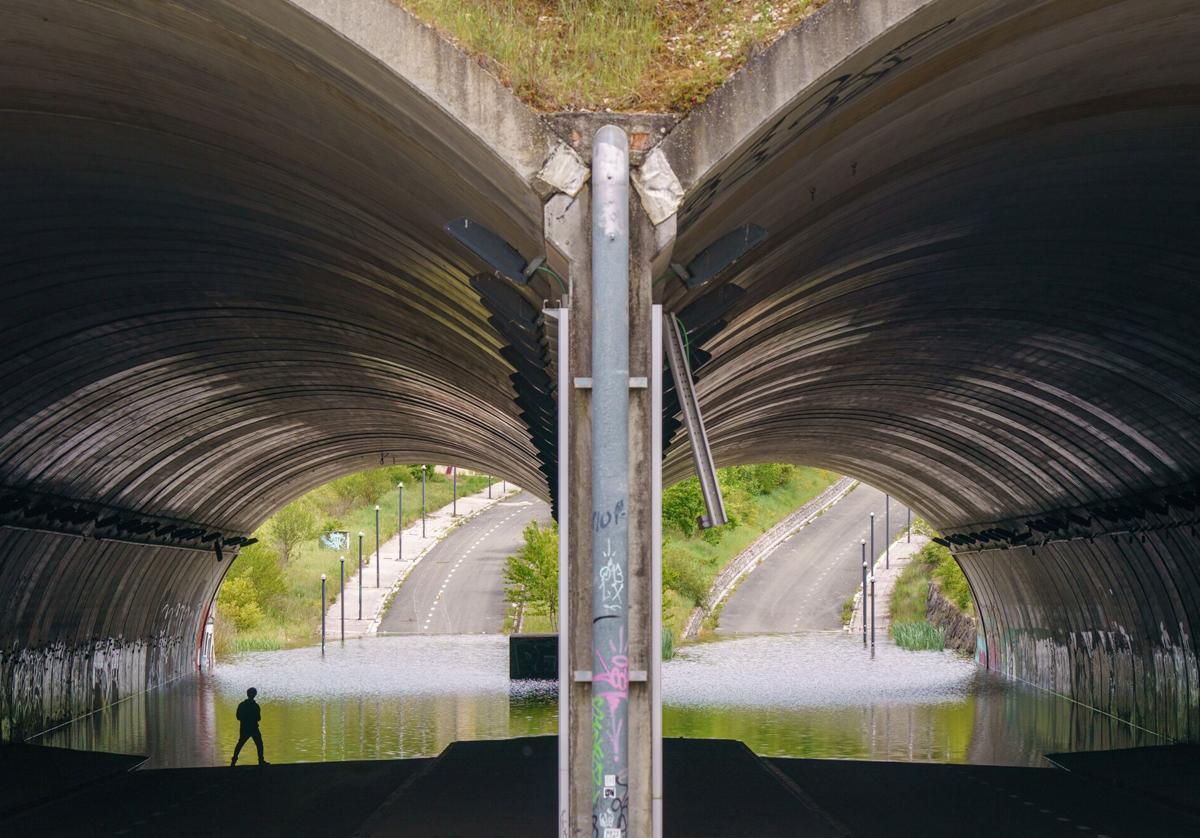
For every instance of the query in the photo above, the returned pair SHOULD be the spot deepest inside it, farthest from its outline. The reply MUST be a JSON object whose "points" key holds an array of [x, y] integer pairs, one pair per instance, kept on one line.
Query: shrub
{"points": [[918, 637], [761, 478], [290, 527], [668, 644], [951, 580], [259, 564], [682, 504], [531, 576], [238, 602], [684, 576]]}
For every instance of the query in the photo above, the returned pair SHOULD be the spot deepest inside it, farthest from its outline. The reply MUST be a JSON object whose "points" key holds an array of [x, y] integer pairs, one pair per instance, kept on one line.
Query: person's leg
{"points": [[258, 744], [237, 750]]}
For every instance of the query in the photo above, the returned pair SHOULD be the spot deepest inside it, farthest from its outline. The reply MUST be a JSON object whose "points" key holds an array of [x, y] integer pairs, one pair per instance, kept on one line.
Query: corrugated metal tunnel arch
{"points": [[225, 281]]}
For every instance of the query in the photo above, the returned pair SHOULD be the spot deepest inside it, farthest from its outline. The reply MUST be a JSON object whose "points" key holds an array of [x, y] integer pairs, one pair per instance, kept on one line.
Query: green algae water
{"points": [[818, 695]]}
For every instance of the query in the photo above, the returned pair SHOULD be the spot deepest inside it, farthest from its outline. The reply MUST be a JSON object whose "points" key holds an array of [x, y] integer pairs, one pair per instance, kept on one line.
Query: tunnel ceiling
{"points": [[225, 278], [979, 285]]}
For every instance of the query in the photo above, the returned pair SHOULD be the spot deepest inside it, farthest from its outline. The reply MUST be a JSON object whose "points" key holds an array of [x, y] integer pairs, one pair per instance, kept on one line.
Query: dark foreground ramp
{"points": [[314, 799], [712, 789]]}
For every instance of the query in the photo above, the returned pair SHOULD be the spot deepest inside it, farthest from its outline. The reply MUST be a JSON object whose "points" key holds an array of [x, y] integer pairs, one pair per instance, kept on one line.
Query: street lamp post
{"points": [[342, 592], [863, 543], [887, 531], [422, 500], [489, 487], [454, 495], [322, 613], [908, 538], [873, 553], [377, 562], [872, 612], [400, 524], [360, 539]]}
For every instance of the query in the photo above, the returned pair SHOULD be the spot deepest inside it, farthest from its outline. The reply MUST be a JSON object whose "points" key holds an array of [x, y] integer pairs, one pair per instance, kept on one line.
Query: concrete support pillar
{"points": [[568, 231]]}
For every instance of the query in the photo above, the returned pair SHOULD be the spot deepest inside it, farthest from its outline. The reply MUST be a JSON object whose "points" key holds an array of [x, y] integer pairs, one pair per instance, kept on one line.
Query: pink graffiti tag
{"points": [[615, 673]]}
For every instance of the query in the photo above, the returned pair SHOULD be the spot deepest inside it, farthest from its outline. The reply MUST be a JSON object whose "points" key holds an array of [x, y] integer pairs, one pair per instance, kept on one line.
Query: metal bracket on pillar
{"points": [[636, 382], [584, 676], [706, 470]]}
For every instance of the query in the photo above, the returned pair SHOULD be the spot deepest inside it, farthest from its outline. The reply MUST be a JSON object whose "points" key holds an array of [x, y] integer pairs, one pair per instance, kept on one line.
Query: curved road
{"points": [[458, 587], [802, 584]]}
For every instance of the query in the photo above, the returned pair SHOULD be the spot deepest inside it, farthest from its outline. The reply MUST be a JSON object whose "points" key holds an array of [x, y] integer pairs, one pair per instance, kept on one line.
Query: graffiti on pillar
{"points": [[597, 747], [610, 793], [612, 580], [609, 517]]}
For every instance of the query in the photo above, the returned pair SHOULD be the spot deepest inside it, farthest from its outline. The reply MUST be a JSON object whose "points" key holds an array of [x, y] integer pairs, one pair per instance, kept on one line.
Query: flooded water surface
{"points": [[808, 695]]}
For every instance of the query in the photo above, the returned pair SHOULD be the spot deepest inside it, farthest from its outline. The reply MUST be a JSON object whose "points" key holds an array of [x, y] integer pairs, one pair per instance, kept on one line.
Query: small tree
{"points": [[290, 527], [531, 576], [682, 504]]}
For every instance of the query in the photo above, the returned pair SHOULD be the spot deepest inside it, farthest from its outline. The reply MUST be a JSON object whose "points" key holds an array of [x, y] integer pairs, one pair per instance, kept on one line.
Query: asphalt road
{"points": [[458, 587], [802, 584]]}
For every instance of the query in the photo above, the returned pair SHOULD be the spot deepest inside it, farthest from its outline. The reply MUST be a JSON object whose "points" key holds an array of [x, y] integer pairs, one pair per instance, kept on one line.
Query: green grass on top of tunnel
{"points": [[271, 596], [625, 55]]}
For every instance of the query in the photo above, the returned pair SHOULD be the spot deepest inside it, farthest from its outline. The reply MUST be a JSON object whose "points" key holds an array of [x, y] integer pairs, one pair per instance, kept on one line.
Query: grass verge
{"points": [[624, 55]]}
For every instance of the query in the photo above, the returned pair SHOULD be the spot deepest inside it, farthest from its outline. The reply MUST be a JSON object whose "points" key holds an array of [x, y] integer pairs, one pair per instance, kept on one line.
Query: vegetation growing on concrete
{"points": [[910, 597], [271, 596], [623, 55], [848, 609]]}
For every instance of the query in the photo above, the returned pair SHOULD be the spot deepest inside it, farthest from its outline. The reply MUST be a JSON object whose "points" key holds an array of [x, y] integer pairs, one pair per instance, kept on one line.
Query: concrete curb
{"points": [[760, 548]]}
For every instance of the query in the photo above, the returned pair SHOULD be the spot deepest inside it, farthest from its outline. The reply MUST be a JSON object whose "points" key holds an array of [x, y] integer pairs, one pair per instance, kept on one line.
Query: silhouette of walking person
{"points": [[248, 715]]}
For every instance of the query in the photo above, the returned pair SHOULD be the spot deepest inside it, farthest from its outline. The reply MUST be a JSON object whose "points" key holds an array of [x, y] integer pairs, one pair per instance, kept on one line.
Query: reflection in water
{"points": [[811, 695]]}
